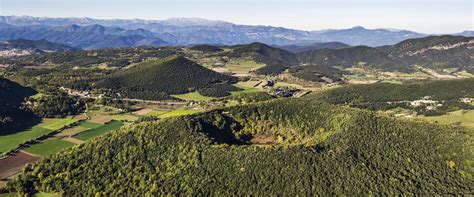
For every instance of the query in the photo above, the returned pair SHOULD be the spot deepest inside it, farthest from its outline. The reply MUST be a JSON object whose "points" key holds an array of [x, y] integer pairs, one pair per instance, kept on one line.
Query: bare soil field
{"points": [[71, 131], [73, 140], [101, 119], [250, 83], [262, 140], [142, 112], [80, 117], [14, 163]]}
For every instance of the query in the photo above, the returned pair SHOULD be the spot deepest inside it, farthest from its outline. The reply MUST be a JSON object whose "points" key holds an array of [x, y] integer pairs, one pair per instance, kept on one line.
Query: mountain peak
{"points": [[192, 21], [358, 27]]}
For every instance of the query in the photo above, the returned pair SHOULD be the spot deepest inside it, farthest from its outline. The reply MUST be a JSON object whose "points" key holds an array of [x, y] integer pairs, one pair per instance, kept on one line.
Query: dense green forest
{"points": [[111, 57], [12, 114], [353, 56], [56, 104], [41, 45], [250, 97], [162, 78], [317, 73], [206, 48], [312, 148], [383, 96]]}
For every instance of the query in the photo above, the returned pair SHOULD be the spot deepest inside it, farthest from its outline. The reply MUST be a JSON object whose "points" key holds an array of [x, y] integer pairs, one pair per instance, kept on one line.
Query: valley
{"points": [[241, 119]]}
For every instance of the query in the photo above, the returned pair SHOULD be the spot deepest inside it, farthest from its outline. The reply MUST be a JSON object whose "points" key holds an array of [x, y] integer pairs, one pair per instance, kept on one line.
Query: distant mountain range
{"points": [[85, 37], [436, 52], [88, 33]]}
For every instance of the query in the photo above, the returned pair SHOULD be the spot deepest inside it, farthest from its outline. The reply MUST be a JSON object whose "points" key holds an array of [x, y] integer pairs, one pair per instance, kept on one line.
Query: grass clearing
{"points": [[48, 125], [156, 113], [242, 66], [90, 125], [462, 117], [99, 130], [193, 96], [284, 84], [72, 131], [142, 112], [179, 112], [12, 141], [55, 124], [245, 89], [48, 147], [37, 96], [125, 117], [44, 194], [100, 119]]}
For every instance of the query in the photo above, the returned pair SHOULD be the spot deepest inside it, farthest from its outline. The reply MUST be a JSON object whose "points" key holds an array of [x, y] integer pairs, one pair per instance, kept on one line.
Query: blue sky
{"points": [[428, 16]]}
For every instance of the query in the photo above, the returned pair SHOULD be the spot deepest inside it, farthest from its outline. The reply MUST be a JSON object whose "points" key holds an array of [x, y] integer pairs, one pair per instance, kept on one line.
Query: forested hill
{"points": [[447, 96], [352, 56], [433, 52], [11, 96], [206, 48], [42, 45], [436, 52], [162, 78], [311, 148], [276, 59], [314, 46]]}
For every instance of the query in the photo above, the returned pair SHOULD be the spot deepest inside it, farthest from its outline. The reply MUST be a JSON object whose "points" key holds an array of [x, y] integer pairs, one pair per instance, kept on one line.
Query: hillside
{"points": [[352, 56], [206, 48], [434, 97], [12, 117], [276, 59], [318, 73], [160, 79], [314, 46], [112, 58], [258, 149], [435, 52], [42, 45]]}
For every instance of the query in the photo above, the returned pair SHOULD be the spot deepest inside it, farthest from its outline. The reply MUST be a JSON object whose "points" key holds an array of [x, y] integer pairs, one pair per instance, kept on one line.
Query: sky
{"points": [[425, 16]]}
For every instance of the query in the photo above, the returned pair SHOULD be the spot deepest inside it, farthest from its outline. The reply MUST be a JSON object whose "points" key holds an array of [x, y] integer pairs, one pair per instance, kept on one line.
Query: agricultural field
{"points": [[94, 132], [48, 147], [9, 142], [142, 112], [193, 96], [285, 84], [179, 112], [242, 66], [245, 89], [90, 125], [463, 118], [14, 163], [125, 117], [156, 113], [57, 123], [71, 131]]}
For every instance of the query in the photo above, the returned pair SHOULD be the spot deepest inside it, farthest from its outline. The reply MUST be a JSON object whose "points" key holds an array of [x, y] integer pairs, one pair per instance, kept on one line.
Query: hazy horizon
{"points": [[440, 16]]}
